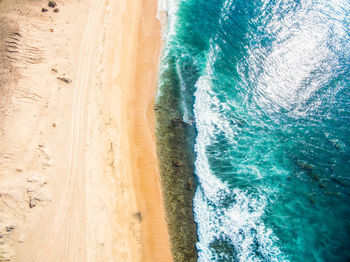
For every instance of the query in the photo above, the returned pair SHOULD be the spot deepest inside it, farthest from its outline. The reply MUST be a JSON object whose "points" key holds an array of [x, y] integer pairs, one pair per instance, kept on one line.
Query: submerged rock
{"points": [[339, 182]]}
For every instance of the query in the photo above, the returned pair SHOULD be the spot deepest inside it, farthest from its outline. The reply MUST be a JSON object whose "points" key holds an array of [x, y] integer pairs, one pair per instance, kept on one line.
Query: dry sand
{"points": [[78, 171]]}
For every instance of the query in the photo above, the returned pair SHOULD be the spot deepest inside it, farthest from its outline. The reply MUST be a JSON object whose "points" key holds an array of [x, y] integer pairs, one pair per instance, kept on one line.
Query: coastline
{"points": [[156, 240], [135, 74], [87, 148]]}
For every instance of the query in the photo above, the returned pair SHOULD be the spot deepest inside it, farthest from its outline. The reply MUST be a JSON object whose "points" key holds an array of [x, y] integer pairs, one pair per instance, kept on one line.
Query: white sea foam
{"points": [[240, 224], [167, 15], [236, 223]]}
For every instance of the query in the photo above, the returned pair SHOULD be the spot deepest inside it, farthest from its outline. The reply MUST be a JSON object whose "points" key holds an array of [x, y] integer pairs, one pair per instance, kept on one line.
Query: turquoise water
{"points": [[266, 86]]}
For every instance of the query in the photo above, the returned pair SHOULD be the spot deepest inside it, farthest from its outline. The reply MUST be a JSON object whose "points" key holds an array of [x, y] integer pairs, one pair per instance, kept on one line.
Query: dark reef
{"points": [[175, 151]]}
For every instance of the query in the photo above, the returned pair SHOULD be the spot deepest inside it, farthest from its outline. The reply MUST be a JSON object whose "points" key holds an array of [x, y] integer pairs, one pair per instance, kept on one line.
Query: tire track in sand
{"points": [[68, 241]]}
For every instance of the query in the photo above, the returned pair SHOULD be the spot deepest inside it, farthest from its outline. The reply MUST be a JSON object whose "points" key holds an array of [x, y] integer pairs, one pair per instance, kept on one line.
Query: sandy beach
{"points": [[78, 168]]}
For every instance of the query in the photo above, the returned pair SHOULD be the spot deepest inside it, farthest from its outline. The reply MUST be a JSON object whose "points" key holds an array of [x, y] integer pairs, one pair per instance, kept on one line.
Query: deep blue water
{"points": [[266, 84]]}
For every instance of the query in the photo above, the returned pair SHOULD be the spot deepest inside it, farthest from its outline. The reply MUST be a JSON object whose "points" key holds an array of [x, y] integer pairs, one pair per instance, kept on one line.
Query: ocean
{"points": [[263, 90]]}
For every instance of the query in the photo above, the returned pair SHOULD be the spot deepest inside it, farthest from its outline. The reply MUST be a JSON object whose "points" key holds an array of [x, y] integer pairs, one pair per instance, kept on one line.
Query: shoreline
{"points": [[141, 130], [135, 75], [156, 239]]}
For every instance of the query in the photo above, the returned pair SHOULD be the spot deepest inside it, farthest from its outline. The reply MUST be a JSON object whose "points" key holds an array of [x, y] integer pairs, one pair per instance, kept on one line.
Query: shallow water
{"points": [[265, 84]]}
